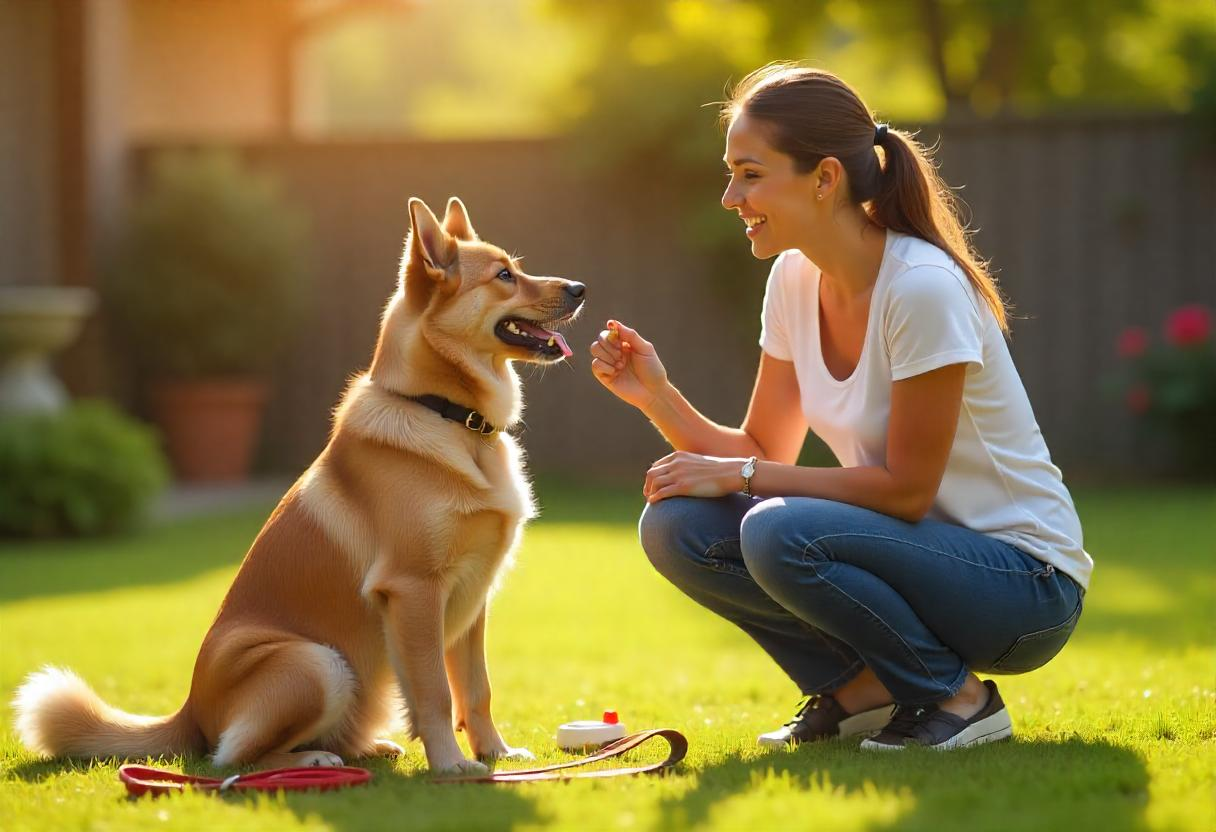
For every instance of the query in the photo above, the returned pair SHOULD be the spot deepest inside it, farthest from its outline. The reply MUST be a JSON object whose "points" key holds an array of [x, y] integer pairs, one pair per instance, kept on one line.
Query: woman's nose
{"points": [[729, 200]]}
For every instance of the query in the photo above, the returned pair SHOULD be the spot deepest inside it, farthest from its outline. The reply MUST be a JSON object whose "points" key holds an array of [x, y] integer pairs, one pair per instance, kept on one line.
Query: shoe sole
{"points": [[865, 723], [990, 729]]}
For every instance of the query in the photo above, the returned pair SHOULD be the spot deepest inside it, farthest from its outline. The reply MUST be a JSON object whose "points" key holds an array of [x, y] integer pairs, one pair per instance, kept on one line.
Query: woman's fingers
{"points": [[668, 490], [607, 355], [603, 370], [609, 342]]}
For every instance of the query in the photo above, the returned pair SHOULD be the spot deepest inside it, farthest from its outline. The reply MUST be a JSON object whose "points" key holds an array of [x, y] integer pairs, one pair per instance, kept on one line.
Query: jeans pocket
{"points": [[1036, 649]]}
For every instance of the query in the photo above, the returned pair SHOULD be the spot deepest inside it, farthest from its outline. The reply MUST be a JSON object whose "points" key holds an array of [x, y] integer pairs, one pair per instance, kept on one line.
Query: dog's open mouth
{"points": [[532, 336]]}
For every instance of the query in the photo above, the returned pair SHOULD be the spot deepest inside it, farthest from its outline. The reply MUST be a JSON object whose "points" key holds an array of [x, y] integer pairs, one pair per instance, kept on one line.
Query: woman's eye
{"points": [[751, 175], [506, 275]]}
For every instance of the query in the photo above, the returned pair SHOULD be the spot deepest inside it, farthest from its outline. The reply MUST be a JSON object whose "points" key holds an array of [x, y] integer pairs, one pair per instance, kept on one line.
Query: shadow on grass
{"points": [[1031, 785], [158, 555], [392, 800]]}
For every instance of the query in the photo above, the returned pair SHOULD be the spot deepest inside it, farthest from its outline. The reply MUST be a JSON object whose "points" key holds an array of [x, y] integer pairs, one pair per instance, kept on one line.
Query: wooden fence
{"points": [[1093, 224]]}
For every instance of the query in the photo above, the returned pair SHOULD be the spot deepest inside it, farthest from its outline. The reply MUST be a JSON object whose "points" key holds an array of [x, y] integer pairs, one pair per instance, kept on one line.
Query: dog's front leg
{"points": [[466, 663], [413, 625]]}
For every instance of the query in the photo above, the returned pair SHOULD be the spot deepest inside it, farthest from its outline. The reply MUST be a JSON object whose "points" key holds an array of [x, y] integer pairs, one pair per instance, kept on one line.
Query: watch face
{"points": [[749, 467]]}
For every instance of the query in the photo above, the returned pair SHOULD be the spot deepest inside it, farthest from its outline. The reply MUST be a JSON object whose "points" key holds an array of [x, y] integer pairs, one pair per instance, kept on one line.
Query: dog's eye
{"points": [[506, 275]]}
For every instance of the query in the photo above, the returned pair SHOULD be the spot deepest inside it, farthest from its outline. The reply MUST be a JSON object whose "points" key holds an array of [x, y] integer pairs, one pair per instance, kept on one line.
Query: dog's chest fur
{"points": [[404, 493]]}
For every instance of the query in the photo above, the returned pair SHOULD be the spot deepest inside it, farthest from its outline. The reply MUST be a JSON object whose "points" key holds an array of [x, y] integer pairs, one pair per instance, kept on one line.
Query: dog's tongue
{"points": [[545, 334]]}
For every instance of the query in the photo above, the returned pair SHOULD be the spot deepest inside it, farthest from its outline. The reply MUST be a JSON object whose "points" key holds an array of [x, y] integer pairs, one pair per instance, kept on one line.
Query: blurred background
{"points": [[214, 193]]}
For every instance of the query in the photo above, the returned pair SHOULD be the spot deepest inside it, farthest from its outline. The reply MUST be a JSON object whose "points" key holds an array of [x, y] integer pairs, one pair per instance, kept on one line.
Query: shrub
{"points": [[1171, 386], [81, 471], [209, 275]]}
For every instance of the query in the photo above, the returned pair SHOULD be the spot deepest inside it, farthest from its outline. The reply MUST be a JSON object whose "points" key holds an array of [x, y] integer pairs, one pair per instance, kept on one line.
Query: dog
{"points": [[365, 593]]}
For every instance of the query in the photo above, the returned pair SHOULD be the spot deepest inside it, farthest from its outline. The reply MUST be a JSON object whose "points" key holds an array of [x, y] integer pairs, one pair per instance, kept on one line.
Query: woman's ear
{"points": [[827, 176]]}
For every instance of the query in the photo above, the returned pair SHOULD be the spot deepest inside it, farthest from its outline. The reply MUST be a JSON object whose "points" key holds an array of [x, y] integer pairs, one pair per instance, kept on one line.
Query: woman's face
{"points": [[775, 202]]}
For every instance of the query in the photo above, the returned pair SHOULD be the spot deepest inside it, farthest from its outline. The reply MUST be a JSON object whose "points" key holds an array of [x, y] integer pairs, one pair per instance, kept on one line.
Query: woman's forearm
{"points": [[687, 429], [871, 487]]}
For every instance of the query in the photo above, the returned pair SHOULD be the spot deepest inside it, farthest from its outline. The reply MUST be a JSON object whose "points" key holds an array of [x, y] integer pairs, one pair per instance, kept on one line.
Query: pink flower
{"points": [[1189, 325], [1138, 399], [1133, 341]]}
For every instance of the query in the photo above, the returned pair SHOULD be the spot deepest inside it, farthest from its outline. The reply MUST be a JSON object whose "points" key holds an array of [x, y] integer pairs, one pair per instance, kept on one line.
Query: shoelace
{"points": [[908, 719], [810, 702]]}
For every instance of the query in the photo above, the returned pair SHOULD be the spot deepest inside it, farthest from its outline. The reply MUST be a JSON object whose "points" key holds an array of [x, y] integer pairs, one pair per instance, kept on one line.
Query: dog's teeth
{"points": [[550, 342]]}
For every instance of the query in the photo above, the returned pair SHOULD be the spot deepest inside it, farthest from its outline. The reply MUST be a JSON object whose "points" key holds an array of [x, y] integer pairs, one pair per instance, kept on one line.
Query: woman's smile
{"points": [[755, 224]]}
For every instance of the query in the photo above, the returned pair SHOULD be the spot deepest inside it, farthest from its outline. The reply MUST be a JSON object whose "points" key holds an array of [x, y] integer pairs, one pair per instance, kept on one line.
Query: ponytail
{"points": [[913, 199], [813, 114]]}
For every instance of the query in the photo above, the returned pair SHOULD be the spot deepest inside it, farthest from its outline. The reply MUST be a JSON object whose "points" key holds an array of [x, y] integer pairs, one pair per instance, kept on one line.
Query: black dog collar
{"points": [[471, 419]]}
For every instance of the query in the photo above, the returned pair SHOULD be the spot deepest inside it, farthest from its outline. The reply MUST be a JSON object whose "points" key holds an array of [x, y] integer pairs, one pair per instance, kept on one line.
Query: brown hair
{"points": [[812, 114]]}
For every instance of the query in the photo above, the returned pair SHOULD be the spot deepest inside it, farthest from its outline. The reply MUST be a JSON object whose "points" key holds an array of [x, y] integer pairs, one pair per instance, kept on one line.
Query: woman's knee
{"points": [[766, 540], [661, 531]]}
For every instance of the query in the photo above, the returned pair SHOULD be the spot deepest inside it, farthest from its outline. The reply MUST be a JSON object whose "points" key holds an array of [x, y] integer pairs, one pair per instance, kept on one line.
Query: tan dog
{"points": [[373, 573]]}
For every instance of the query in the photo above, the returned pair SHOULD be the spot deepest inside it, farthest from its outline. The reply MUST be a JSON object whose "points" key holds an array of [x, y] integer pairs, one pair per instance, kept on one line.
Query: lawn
{"points": [[1117, 733]]}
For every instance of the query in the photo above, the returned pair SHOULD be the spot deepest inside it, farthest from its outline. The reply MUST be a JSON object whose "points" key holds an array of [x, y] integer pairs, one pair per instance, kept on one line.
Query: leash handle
{"points": [[677, 742], [141, 780]]}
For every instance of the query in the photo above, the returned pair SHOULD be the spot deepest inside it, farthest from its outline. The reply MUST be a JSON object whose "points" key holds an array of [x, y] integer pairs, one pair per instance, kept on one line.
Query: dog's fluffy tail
{"points": [[59, 715]]}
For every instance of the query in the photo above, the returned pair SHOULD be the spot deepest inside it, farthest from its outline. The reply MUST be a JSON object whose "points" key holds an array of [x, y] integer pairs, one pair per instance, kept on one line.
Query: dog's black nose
{"points": [[576, 290]]}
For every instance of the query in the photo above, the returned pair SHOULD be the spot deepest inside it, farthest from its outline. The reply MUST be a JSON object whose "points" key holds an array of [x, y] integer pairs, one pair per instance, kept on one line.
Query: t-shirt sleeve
{"points": [[774, 334], [932, 320]]}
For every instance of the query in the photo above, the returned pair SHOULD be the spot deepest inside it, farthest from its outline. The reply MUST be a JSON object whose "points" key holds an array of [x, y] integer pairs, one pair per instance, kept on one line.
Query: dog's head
{"points": [[470, 295]]}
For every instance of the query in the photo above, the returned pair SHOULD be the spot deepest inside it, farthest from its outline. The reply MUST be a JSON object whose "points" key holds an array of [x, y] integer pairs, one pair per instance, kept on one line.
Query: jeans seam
{"points": [[1025, 573], [812, 562]]}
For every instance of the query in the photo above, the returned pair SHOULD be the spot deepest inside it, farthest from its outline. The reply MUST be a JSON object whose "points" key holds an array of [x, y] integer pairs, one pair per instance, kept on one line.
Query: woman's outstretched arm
{"points": [[774, 429]]}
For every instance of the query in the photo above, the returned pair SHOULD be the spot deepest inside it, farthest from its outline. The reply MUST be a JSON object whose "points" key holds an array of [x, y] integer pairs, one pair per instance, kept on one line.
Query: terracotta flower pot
{"points": [[211, 426]]}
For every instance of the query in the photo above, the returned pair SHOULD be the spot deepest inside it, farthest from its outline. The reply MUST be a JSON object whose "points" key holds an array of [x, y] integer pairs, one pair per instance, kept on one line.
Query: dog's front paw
{"points": [[461, 768], [318, 758], [507, 753]]}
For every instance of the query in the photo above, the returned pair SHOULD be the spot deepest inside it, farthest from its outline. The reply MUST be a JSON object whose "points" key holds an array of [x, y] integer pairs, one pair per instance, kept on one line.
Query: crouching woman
{"points": [[946, 543]]}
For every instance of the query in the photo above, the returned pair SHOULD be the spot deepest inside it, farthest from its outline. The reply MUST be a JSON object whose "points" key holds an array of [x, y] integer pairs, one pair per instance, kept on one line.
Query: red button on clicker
{"points": [[611, 718]]}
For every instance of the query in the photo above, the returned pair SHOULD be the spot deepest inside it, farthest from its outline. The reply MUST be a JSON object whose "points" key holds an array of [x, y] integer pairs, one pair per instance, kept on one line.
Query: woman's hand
{"points": [[628, 365], [692, 475]]}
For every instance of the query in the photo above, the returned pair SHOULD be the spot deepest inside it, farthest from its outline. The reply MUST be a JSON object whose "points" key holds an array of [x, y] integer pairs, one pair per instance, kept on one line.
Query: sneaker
{"points": [[822, 718], [930, 726]]}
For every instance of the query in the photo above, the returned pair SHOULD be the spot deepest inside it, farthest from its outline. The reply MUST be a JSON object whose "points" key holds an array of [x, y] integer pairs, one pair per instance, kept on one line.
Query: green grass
{"points": [[1117, 733]]}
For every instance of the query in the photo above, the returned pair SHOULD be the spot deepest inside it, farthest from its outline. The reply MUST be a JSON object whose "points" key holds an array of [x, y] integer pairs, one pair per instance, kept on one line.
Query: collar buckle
{"points": [[476, 422]]}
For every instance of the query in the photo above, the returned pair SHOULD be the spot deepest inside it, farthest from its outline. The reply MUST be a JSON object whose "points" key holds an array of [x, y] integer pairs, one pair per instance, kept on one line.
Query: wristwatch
{"points": [[748, 471]]}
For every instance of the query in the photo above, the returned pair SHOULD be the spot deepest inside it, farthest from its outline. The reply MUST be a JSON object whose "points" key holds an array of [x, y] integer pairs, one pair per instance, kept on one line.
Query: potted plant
{"points": [[207, 288], [1171, 386]]}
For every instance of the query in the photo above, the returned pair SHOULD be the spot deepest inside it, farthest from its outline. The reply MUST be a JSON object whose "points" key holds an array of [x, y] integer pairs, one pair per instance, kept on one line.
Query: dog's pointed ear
{"points": [[456, 221], [430, 247]]}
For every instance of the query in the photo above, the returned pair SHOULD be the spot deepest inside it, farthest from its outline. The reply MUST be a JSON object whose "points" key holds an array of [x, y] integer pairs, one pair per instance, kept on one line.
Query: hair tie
{"points": [[880, 133]]}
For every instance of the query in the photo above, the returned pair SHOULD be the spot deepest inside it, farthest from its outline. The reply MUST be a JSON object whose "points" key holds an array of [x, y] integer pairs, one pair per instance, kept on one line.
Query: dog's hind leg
{"points": [[295, 694]]}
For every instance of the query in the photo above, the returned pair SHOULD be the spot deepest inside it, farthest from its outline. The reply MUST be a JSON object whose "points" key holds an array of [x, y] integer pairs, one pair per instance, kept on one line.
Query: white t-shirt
{"points": [[925, 314]]}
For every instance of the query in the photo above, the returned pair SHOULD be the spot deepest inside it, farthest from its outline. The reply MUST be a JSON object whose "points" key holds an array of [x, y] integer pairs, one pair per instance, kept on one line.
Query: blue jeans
{"points": [[828, 588]]}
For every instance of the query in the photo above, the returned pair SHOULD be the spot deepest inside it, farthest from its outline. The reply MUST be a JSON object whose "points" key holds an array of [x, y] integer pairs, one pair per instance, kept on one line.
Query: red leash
{"points": [[141, 780]]}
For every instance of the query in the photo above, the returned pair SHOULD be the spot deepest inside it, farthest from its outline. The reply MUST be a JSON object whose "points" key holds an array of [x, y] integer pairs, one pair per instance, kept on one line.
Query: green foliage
{"points": [[210, 276], [82, 471]]}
